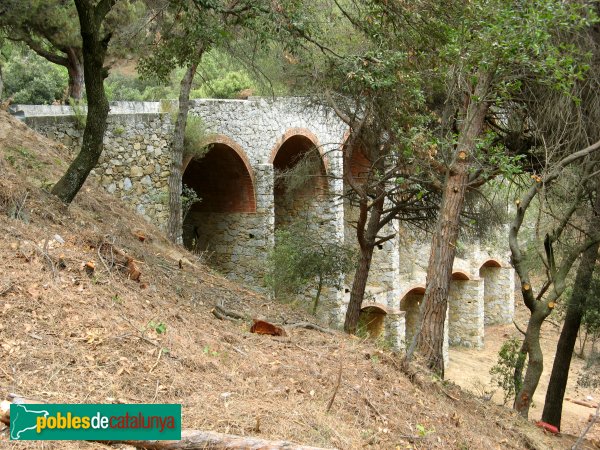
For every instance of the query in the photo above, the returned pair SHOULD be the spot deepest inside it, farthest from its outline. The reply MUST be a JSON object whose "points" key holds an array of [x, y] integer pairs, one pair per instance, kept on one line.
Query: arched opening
{"points": [[372, 321], [493, 296], [223, 183], [300, 182], [360, 165], [460, 276], [411, 304], [465, 311]]}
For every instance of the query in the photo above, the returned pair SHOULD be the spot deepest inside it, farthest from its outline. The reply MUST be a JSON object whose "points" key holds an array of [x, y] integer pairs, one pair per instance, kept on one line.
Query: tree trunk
{"points": [[317, 296], [430, 335], [1, 82], [568, 336], [174, 224], [75, 70], [94, 46], [366, 240], [535, 361]]}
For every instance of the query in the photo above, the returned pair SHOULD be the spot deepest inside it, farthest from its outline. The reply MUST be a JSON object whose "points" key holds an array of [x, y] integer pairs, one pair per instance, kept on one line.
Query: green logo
{"points": [[95, 422]]}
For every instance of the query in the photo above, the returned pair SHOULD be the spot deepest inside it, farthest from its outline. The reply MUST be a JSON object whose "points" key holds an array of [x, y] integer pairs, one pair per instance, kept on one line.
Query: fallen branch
{"points": [[190, 439], [157, 360], [309, 326], [219, 315], [582, 403], [595, 418], [227, 314], [337, 386], [369, 404], [6, 289]]}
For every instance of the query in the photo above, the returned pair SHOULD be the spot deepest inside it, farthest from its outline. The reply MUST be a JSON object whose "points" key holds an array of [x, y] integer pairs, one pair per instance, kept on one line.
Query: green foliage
{"points": [[423, 431], [228, 86], [208, 352], [30, 79], [79, 113], [502, 373], [194, 141], [158, 327], [589, 377], [189, 198], [505, 37], [296, 179], [221, 77], [591, 316], [127, 88], [301, 259]]}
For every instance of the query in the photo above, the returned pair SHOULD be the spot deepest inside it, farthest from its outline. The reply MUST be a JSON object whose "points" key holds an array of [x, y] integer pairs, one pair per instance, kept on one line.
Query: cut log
{"points": [[203, 440], [190, 439], [262, 327], [5, 406]]}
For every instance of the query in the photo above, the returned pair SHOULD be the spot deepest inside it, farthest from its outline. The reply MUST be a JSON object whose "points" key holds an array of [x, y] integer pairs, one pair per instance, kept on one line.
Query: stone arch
{"points": [[494, 296], [306, 133], [410, 303], [372, 319], [224, 181], [459, 275], [360, 164], [465, 310], [307, 197], [222, 140], [491, 263]]}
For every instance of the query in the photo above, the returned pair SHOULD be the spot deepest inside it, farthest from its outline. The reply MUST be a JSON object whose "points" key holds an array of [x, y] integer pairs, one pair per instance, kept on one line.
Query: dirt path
{"points": [[470, 368]]}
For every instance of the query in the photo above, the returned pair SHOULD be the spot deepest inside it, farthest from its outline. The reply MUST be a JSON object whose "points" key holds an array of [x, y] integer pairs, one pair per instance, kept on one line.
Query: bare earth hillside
{"points": [[470, 369], [75, 327]]}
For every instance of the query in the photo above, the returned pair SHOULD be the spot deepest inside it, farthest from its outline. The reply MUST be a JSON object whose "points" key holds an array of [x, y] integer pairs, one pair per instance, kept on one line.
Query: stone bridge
{"points": [[243, 201]]}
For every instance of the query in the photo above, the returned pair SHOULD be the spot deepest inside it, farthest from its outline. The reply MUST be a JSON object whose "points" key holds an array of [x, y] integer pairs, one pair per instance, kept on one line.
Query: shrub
{"points": [[503, 372], [30, 79], [301, 259]]}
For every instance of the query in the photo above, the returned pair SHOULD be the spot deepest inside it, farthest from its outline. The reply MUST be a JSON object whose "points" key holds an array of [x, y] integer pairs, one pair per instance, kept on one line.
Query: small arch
{"points": [[372, 319], [360, 164], [491, 263], [459, 275], [305, 194], [215, 139], [419, 289], [410, 303], [378, 306], [493, 293], [223, 181]]}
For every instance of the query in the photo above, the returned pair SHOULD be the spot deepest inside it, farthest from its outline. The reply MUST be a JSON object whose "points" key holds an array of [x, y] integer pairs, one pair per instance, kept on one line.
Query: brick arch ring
{"points": [[233, 145], [491, 262], [460, 275], [417, 289], [378, 306], [291, 132]]}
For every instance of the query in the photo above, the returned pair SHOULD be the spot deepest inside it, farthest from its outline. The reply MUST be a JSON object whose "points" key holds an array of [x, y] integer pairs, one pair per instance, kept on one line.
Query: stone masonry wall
{"points": [[135, 167], [498, 294], [466, 325]]}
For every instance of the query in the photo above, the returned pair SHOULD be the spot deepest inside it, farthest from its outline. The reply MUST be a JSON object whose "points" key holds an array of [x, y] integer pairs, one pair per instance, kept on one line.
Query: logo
{"points": [[95, 422]]}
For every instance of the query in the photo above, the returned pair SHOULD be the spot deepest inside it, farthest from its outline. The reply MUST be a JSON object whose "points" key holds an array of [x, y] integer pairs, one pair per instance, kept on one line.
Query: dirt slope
{"points": [[470, 369], [68, 334]]}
